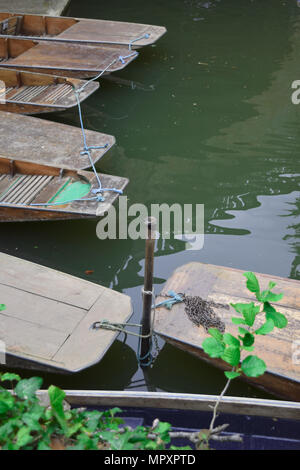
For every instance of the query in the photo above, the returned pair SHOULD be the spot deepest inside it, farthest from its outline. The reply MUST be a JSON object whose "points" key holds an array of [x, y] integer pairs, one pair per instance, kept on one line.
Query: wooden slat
{"points": [[115, 308], [35, 340], [31, 277], [64, 58], [41, 311], [36, 140]]}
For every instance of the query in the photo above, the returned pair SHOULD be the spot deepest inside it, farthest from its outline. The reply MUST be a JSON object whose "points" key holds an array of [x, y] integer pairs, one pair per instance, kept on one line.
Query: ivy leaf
{"points": [[23, 437], [266, 328], [215, 333], [2, 307], [231, 374], [57, 397], [253, 366], [252, 283], [11, 377], [280, 321], [231, 340], [232, 355], [26, 388], [212, 347]]}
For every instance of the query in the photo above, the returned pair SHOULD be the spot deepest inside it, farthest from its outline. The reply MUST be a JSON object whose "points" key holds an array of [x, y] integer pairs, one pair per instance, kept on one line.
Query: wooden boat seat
{"points": [[48, 94], [11, 26], [23, 189]]}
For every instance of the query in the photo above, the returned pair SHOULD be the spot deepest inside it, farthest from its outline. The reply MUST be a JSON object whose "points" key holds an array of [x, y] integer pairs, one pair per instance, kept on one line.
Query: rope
{"points": [[87, 149], [145, 36], [120, 327]]}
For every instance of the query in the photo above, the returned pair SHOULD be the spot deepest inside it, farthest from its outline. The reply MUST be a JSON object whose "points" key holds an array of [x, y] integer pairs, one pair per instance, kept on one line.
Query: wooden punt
{"points": [[79, 30], [68, 60], [225, 285], [53, 332], [34, 192], [33, 93], [262, 424], [42, 163]]}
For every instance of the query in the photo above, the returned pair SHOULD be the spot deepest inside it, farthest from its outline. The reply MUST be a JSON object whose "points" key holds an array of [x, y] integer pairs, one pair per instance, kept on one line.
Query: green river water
{"points": [[203, 117]]}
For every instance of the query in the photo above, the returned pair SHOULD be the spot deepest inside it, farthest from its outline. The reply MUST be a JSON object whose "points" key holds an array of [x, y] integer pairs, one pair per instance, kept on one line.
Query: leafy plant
{"points": [[229, 347], [28, 425]]}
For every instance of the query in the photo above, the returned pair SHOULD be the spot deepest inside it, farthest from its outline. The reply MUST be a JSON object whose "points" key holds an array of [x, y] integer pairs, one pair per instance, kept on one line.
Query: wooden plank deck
{"points": [[36, 140], [225, 285], [46, 324]]}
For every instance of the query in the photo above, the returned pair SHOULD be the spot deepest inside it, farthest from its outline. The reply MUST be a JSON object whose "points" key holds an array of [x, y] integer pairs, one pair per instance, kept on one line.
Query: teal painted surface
{"points": [[205, 116]]}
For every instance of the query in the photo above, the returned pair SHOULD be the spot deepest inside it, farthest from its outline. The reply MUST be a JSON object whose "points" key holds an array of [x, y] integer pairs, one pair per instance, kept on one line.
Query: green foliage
{"points": [[229, 348], [27, 425]]}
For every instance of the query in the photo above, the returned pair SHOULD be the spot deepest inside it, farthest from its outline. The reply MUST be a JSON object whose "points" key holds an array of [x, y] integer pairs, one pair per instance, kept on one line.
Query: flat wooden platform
{"points": [[46, 324], [68, 60], [79, 30], [39, 141], [226, 285]]}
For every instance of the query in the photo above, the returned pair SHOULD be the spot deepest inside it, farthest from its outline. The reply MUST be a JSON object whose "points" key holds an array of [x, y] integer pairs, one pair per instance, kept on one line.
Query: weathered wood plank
{"points": [[48, 143], [94, 343], [40, 310], [48, 317], [226, 285], [46, 282], [21, 336]]}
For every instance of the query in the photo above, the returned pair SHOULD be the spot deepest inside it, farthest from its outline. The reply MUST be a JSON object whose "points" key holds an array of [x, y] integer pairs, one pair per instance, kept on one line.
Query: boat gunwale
{"points": [[185, 401]]}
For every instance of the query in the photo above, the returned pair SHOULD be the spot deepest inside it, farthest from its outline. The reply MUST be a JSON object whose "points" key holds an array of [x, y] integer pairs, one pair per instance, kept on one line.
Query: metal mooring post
{"points": [[145, 352]]}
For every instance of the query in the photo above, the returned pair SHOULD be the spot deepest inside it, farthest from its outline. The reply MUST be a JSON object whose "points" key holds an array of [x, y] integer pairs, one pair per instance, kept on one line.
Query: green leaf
{"points": [[212, 347], [57, 397], [266, 328], [23, 437], [232, 355], [215, 333], [272, 285], [238, 321], [253, 366], [267, 296], [11, 377], [7, 403], [243, 331], [280, 321], [252, 282], [231, 340], [249, 311], [231, 374], [26, 388], [248, 340], [2, 307]]}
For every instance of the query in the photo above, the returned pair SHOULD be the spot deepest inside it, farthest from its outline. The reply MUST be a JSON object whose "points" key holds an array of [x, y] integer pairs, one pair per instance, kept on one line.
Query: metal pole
{"points": [[147, 294]]}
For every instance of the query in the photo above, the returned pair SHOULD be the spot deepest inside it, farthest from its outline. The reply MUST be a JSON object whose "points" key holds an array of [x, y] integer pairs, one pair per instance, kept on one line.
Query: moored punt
{"points": [[49, 143], [42, 173], [54, 333], [33, 93], [261, 424], [33, 192], [224, 285], [79, 30], [69, 60]]}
